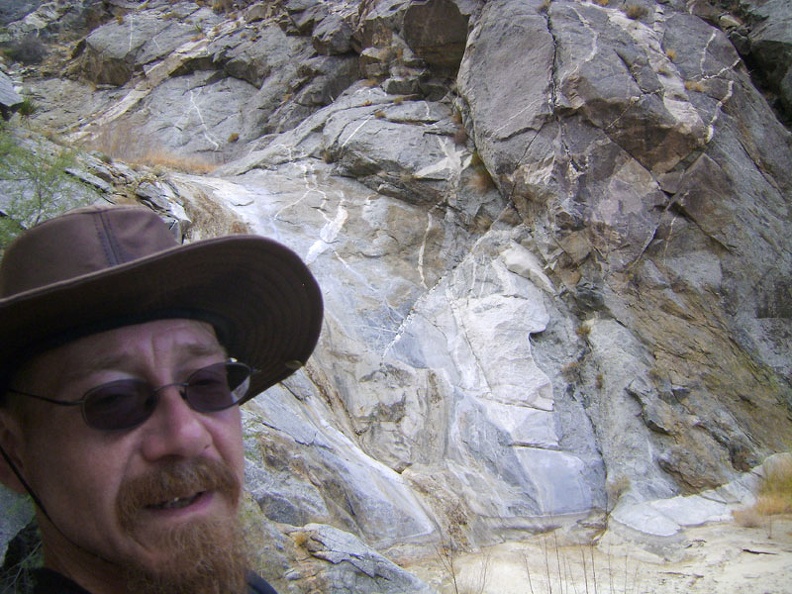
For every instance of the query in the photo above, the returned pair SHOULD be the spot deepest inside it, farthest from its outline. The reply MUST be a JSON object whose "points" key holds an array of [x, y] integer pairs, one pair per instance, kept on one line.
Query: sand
{"points": [[721, 558]]}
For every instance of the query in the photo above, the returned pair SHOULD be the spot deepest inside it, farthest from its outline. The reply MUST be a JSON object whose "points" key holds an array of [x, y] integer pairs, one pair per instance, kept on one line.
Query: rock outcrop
{"points": [[9, 98], [551, 238]]}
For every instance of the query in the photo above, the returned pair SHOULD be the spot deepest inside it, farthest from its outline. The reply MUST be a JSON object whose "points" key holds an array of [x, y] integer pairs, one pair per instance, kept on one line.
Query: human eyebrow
{"points": [[124, 361], [202, 349], [98, 362]]}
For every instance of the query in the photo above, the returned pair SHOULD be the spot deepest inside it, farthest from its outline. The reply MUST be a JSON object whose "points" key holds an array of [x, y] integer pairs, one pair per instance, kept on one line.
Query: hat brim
{"points": [[259, 295]]}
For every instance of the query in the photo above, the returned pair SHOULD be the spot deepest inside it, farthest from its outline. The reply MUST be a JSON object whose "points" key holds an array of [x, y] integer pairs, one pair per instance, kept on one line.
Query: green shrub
{"points": [[27, 108], [34, 184], [30, 50]]}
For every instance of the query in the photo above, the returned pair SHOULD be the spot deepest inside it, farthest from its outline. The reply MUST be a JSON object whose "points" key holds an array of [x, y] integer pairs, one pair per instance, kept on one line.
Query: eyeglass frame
{"points": [[155, 393]]}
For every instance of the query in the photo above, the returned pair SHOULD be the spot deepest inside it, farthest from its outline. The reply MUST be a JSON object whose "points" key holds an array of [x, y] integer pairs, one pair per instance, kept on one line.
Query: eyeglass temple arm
{"points": [[45, 399]]}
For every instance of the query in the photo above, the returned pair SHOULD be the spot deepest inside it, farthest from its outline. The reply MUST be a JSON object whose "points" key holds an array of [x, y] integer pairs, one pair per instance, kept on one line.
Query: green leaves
{"points": [[34, 182]]}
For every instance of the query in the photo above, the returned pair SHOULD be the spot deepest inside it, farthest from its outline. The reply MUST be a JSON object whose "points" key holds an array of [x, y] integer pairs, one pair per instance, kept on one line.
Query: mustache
{"points": [[175, 479]]}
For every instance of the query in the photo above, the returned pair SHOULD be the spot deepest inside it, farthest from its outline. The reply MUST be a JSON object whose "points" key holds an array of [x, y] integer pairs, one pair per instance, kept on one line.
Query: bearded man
{"points": [[123, 359]]}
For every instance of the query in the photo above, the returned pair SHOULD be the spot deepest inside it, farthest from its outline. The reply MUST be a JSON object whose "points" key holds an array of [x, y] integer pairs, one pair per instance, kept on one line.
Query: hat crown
{"points": [[100, 268], [80, 243]]}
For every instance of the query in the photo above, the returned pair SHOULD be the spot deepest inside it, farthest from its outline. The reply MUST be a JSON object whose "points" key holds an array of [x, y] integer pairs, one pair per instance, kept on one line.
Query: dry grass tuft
{"points": [[773, 505], [460, 135], [635, 11], [774, 496], [747, 518], [571, 370], [114, 142], [694, 85], [481, 181], [170, 161], [775, 490], [300, 538]]}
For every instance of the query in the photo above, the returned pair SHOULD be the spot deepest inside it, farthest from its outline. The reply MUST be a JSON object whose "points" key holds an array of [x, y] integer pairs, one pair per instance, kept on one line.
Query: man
{"points": [[123, 356]]}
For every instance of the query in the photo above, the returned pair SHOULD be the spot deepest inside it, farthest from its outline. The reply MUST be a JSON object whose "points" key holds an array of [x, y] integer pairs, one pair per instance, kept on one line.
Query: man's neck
{"points": [[90, 571]]}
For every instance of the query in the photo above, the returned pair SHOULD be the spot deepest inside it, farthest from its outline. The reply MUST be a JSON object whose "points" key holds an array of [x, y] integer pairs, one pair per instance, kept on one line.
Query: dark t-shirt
{"points": [[47, 581]]}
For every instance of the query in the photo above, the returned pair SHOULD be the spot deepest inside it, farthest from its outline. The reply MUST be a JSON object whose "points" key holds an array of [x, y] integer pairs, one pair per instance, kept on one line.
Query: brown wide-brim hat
{"points": [[99, 268]]}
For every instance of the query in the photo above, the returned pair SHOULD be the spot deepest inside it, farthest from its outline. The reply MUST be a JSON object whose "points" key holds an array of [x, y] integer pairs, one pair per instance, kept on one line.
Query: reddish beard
{"points": [[205, 555]]}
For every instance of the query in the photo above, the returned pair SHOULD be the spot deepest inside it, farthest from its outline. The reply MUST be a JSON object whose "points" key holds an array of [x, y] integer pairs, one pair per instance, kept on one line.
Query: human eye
{"points": [[208, 390], [123, 399], [112, 394], [211, 376]]}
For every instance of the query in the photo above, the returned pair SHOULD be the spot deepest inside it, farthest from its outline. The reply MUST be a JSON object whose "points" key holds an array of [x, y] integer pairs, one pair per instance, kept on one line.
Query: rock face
{"points": [[9, 98], [769, 43], [551, 238]]}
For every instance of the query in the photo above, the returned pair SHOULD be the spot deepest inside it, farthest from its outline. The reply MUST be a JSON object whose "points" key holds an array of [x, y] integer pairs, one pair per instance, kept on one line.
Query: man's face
{"points": [[130, 501]]}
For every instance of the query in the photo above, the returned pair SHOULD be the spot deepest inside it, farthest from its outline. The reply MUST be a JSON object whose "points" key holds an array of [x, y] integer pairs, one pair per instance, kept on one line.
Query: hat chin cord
{"points": [[27, 487], [37, 501]]}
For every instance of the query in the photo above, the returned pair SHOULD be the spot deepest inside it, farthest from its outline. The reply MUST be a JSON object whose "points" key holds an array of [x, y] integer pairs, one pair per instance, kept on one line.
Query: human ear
{"points": [[10, 441]]}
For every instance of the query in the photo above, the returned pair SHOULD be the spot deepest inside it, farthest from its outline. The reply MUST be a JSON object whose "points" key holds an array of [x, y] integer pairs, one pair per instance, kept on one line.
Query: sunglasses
{"points": [[125, 403]]}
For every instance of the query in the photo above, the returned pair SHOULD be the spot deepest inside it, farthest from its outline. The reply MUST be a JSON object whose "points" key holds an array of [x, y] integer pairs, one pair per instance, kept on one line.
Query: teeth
{"points": [[177, 502]]}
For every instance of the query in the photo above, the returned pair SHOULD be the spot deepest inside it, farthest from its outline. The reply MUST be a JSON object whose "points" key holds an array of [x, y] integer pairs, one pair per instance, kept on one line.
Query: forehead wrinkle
{"points": [[116, 352], [129, 361]]}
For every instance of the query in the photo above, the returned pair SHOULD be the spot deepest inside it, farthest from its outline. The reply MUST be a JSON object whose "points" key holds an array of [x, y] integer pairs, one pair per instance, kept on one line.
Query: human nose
{"points": [[174, 429]]}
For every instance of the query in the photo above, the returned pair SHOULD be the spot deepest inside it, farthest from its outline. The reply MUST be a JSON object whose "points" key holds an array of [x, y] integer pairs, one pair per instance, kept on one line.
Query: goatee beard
{"points": [[204, 556]]}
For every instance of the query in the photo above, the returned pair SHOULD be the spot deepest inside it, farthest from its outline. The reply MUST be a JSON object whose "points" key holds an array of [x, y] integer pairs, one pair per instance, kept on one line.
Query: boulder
{"points": [[9, 98], [771, 47], [14, 10], [350, 566], [115, 52], [333, 34], [436, 30]]}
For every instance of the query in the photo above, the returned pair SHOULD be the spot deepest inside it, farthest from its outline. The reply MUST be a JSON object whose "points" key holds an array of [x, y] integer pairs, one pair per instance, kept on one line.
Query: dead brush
{"points": [[775, 489], [635, 11], [480, 181], [581, 568], [159, 159], [114, 142], [773, 497]]}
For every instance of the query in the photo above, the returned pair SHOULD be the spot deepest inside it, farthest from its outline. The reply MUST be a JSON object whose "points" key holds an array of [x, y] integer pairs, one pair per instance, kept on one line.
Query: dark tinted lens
{"points": [[118, 405], [218, 386]]}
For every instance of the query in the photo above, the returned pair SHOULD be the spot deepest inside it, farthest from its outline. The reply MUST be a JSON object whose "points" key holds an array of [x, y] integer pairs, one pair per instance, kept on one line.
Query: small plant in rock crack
{"points": [[635, 11], [694, 85], [27, 108]]}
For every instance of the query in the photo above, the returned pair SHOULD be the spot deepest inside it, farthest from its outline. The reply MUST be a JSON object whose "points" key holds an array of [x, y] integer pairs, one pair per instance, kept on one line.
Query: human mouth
{"points": [[177, 502], [176, 492]]}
